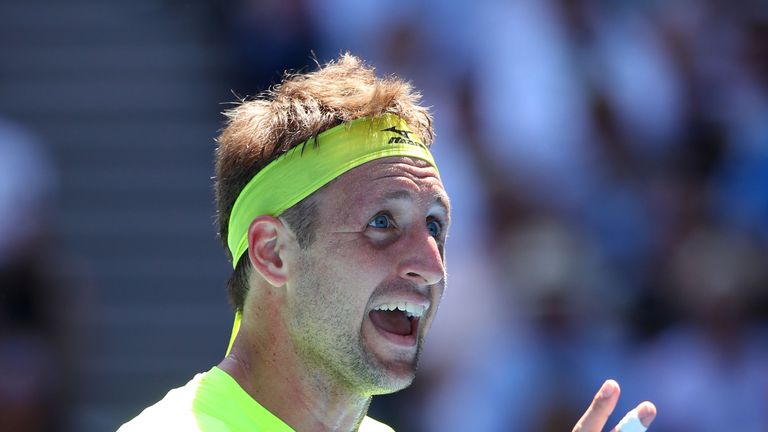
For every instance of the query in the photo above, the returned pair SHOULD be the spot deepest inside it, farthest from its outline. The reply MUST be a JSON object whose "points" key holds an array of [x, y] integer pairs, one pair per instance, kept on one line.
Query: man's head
{"points": [[303, 105], [351, 275]]}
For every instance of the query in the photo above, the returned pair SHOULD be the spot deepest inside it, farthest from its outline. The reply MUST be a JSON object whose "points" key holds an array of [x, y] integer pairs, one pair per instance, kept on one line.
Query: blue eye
{"points": [[380, 221], [434, 228]]}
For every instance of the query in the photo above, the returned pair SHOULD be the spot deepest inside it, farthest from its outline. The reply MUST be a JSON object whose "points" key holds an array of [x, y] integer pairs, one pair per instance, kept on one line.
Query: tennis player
{"points": [[334, 217]]}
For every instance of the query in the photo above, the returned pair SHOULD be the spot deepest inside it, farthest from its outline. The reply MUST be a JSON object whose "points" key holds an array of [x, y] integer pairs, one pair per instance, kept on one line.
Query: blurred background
{"points": [[607, 162]]}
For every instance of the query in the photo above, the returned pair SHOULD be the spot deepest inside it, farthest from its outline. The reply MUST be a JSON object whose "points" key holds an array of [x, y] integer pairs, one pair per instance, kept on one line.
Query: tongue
{"points": [[392, 321]]}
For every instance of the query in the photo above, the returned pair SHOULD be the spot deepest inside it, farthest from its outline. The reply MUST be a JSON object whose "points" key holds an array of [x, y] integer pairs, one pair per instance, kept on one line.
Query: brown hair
{"points": [[301, 106]]}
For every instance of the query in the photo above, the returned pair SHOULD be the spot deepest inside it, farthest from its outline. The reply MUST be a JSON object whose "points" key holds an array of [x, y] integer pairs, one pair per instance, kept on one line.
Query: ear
{"points": [[267, 237]]}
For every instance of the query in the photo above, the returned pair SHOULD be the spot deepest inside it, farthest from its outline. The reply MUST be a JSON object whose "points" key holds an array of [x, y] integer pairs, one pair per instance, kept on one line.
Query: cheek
{"points": [[357, 273], [353, 270], [357, 255], [347, 265]]}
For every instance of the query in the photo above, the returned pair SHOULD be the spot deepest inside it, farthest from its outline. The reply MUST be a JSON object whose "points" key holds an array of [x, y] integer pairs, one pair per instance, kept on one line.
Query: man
{"points": [[335, 219]]}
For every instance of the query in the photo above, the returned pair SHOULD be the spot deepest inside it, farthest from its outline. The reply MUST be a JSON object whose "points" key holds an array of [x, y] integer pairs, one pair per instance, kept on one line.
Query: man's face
{"points": [[378, 246]]}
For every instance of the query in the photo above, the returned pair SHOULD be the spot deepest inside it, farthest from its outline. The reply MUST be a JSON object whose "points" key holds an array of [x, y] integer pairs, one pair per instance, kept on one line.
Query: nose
{"points": [[422, 262]]}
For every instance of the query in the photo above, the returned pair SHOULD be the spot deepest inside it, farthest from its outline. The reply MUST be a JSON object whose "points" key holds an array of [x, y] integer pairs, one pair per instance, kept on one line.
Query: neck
{"points": [[264, 364]]}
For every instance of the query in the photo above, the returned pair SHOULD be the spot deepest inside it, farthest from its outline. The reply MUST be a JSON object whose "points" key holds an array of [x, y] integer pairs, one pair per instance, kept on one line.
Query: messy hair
{"points": [[259, 130]]}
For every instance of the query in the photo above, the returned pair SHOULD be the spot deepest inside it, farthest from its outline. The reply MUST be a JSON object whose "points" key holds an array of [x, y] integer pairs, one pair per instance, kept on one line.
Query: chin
{"points": [[393, 376], [392, 384], [386, 367]]}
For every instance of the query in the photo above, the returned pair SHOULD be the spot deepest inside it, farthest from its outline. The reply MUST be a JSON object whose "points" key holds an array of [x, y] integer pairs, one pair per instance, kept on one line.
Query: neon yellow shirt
{"points": [[214, 402]]}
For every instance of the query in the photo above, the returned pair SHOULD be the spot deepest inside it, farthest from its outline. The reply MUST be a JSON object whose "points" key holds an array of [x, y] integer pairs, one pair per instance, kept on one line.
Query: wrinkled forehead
{"points": [[391, 167], [389, 178]]}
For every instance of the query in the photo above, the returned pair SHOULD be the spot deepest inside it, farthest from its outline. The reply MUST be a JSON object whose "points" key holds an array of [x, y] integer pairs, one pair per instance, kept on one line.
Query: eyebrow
{"points": [[439, 199]]}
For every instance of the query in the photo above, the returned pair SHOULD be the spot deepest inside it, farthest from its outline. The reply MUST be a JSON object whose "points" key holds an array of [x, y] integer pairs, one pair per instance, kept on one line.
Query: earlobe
{"points": [[264, 249]]}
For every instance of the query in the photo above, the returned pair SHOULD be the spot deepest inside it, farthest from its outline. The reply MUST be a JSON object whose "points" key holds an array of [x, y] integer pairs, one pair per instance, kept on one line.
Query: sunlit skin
{"points": [[307, 349]]}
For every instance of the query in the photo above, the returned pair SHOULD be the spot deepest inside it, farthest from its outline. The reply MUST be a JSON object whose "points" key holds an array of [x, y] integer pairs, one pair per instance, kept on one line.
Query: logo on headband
{"points": [[403, 138]]}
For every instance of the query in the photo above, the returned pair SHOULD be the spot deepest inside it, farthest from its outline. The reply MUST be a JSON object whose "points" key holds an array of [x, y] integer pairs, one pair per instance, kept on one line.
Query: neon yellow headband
{"points": [[312, 164]]}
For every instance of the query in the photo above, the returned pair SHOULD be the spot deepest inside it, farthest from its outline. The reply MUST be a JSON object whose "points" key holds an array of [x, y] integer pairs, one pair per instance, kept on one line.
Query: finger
{"points": [[638, 419], [602, 405], [646, 411]]}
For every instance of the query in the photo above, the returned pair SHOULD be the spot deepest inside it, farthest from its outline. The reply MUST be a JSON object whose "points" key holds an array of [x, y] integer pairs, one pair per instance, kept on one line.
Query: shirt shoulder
{"points": [[214, 402], [175, 412]]}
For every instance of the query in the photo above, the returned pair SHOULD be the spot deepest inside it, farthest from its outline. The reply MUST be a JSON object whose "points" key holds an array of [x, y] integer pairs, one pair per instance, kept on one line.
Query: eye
{"points": [[381, 221], [435, 228]]}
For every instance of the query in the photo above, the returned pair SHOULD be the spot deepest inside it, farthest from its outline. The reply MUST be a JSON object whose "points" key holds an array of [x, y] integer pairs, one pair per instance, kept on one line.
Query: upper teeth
{"points": [[410, 309]]}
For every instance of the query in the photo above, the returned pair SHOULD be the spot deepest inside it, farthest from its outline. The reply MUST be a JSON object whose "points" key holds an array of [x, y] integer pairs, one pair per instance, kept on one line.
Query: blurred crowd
{"points": [[608, 167], [608, 164], [36, 340]]}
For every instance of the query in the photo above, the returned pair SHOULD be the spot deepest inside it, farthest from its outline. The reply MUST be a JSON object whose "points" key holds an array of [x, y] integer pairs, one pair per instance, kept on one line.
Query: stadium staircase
{"points": [[126, 98]]}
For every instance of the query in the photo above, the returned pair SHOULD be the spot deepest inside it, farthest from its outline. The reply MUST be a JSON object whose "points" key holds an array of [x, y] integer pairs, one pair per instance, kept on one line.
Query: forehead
{"points": [[388, 179]]}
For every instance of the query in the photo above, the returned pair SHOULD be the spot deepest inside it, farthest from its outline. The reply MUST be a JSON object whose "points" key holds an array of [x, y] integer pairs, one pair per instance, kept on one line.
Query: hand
{"points": [[603, 404]]}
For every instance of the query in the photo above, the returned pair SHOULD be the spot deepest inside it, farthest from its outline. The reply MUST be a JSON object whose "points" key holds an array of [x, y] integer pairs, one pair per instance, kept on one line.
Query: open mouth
{"points": [[401, 318]]}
